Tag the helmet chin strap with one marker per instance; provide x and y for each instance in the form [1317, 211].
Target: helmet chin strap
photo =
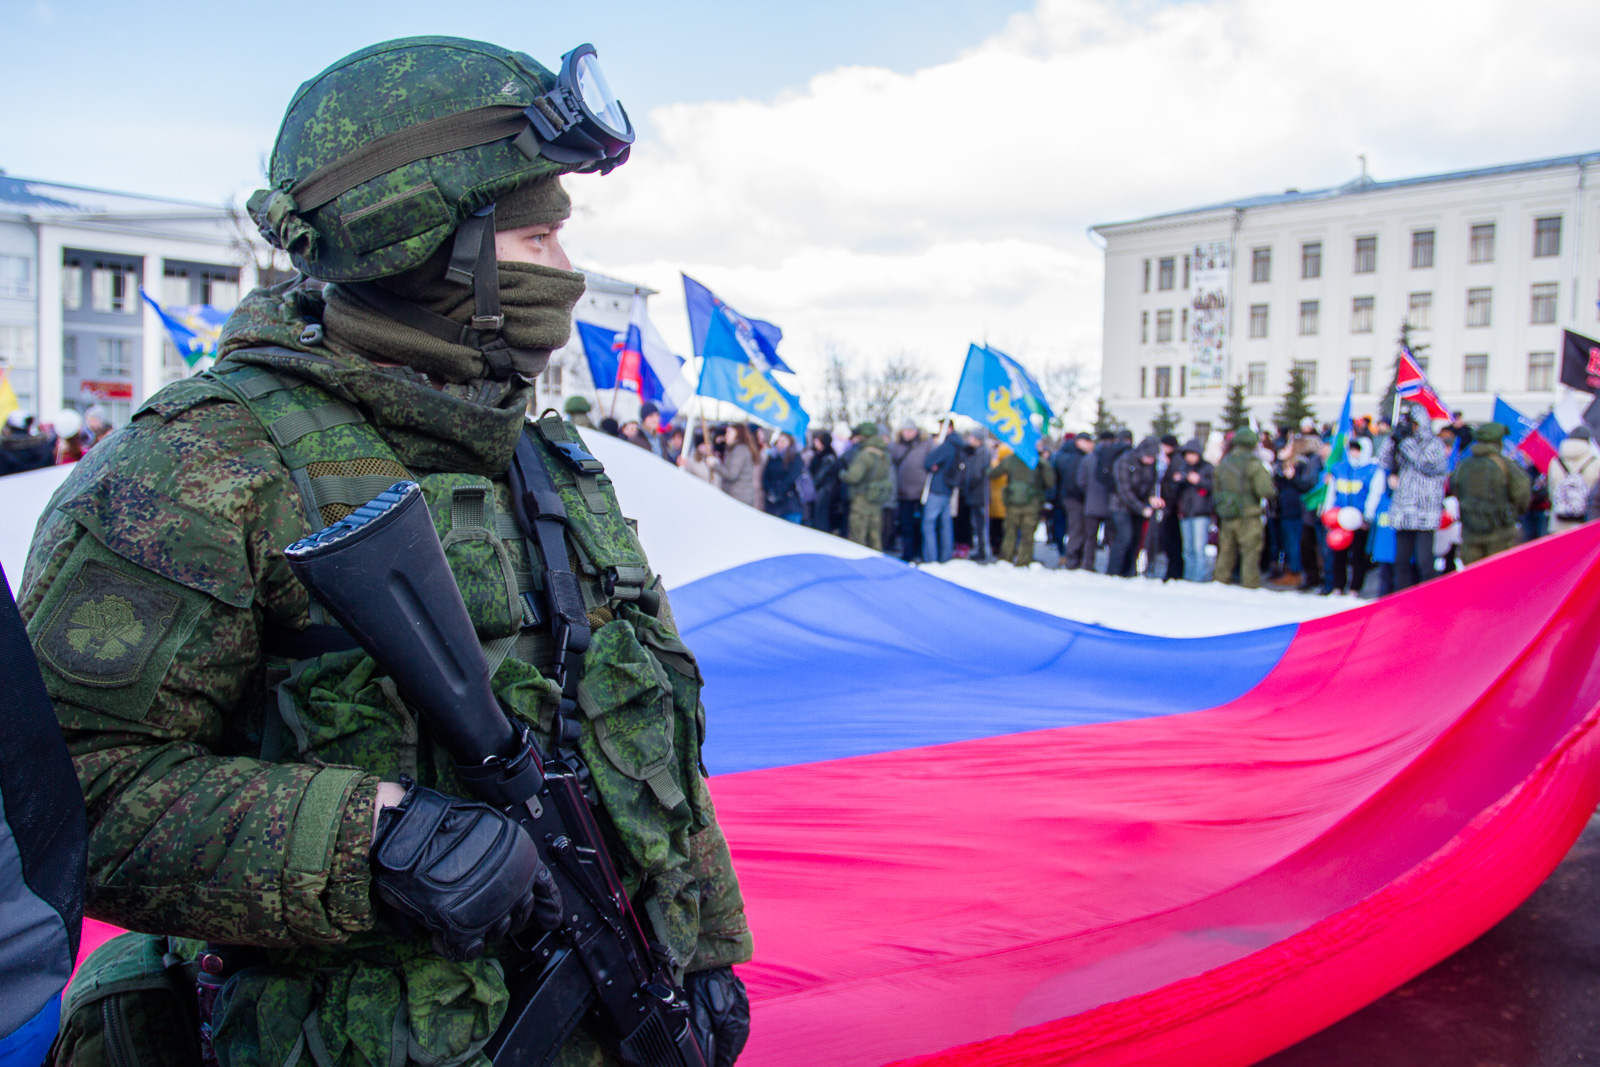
[472, 263]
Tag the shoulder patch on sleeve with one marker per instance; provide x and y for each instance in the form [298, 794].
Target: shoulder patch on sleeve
[106, 624]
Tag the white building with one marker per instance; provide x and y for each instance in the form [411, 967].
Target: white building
[1486, 265]
[74, 332]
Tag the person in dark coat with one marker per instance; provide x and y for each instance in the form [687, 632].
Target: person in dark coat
[1095, 482]
[1192, 503]
[779, 478]
[946, 467]
[824, 468]
[972, 517]
[23, 447]
[906, 452]
[1132, 501]
[1069, 523]
[1168, 534]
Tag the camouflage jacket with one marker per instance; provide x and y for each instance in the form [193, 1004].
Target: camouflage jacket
[154, 575]
[1025, 486]
[870, 474]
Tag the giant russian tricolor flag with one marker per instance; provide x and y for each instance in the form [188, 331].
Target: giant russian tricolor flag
[971, 833]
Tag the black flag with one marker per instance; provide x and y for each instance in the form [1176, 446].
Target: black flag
[1580, 362]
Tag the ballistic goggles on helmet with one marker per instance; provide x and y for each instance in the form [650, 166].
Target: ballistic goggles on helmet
[581, 120]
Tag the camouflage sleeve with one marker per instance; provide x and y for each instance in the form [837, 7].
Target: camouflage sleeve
[724, 934]
[1265, 488]
[1521, 488]
[147, 585]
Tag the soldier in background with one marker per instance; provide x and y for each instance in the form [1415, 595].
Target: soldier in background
[577, 410]
[1239, 484]
[1493, 493]
[870, 477]
[1027, 488]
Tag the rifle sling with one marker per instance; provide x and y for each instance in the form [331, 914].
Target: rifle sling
[543, 519]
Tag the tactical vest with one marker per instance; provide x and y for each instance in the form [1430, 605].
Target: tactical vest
[1232, 495]
[1483, 489]
[640, 739]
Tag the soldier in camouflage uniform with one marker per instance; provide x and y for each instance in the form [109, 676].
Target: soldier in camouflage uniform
[239, 760]
[577, 409]
[871, 478]
[1493, 493]
[1026, 490]
[1238, 485]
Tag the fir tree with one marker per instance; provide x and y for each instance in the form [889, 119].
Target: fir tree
[1235, 412]
[1166, 420]
[1104, 421]
[1294, 406]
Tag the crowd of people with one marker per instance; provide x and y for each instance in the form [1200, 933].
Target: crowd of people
[27, 444]
[1399, 504]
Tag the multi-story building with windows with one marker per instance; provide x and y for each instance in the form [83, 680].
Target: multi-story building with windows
[1487, 266]
[73, 328]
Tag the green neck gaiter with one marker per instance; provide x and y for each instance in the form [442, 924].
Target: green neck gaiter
[537, 302]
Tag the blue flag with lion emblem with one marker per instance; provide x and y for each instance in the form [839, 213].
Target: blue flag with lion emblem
[997, 391]
[737, 367]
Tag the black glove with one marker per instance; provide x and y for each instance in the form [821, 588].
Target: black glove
[461, 870]
[719, 1011]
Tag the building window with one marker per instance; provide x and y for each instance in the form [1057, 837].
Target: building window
[1257, 383]
[1186, 271]
[1163, 327]
[220, 289]
[1547, 236]
[1361, 315]
[1480, 307]
[1422, 362]
[1143, 373]
[1541, 372]
[1475, 374]
[1308, 373]
[1481, 247]
[1261, 264]
[1258, 320]
[16, 276]
[1147, 275]
[114, 287]
[174, 287]
[1361, 376]
[1419, 312]
[1366, 255]
[1421, 249]
[1202, 431]
[1166, 272]
[1163, 381]
[1544, 302]
[69, 356]
[116, 357]
[1309, 310]
[1183, 328]
[1183, 381]
[1144, 327]
[1311, 259]
[71, 285]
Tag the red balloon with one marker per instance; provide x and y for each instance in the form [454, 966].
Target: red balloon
[1330, 518]
[1339, 539]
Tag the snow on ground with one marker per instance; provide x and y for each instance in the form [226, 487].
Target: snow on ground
[1140, 605]
[691, 530]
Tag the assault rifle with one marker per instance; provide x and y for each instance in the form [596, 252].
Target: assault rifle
[382, 574]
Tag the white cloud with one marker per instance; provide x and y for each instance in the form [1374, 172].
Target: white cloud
[921, 211]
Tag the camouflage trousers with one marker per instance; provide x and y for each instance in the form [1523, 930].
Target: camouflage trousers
[1239, 543]
[866, 524]
[1481, 546]
[1016, 539]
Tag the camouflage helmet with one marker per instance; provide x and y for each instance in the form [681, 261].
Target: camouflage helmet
[388, 152]
[576, 405]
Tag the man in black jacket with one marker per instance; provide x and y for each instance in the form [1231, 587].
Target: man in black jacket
[1067, 528]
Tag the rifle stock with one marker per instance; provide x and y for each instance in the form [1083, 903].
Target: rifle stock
[382, 574]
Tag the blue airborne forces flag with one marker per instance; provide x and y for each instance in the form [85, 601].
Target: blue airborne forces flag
[735, 366]
[195, 330]
[998, 392]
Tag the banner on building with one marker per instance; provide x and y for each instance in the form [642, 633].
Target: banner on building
[1208, 336]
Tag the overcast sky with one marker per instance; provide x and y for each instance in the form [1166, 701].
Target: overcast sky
[885, 176]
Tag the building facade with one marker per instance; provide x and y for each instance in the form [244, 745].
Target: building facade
[74, 331]
[1486, 266]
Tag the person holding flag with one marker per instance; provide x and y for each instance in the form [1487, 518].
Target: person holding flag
[1415, 464]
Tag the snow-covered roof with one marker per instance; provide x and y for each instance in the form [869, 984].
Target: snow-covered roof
[36, 199]
[1359, 186]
